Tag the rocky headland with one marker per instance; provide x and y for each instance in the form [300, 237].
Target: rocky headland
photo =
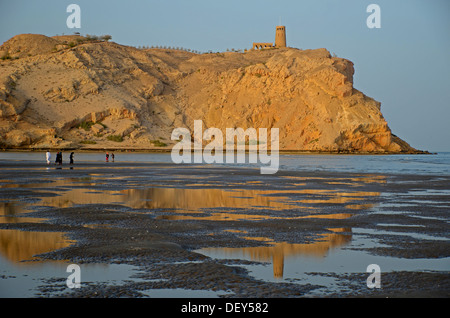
[71, 92]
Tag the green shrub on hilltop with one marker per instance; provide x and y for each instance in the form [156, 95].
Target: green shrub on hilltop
[106, 37]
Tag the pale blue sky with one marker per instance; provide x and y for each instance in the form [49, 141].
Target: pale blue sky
[404, 64]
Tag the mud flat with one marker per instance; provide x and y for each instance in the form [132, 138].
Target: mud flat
[207, 231]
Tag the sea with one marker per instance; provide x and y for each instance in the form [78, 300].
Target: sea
[422, 164]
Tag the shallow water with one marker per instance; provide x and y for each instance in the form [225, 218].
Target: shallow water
[32, 279]
[301, 263]
[388, 164]
[190, 197]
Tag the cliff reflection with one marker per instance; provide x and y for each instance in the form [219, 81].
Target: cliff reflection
[292, 202]
[11, 212]
[277, 252]
[18, 245]
[221, 205]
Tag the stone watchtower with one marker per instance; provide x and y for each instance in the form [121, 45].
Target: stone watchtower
[280, 40]
[280, 36]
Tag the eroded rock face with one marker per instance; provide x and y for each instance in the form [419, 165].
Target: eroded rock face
[308, 95]
[17, 138]
[142, 95]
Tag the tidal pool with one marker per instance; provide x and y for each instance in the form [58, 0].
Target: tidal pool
[331, 206]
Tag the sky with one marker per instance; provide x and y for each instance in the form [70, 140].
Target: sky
[404, 64]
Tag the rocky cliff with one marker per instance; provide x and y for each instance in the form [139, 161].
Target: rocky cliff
[71, 92]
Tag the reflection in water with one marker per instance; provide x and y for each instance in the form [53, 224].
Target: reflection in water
[351, 181]
[193, 204]
[277, 252]
[19, 245]
[189, 204]
[196, 199]
[10, 212]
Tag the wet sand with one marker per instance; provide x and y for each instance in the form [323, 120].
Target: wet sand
[167, 218]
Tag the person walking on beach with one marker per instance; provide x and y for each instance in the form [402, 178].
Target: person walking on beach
[71, 158]
[60, 158]
[107, 157]
[57, 157]
[112, 157]
[48, 156]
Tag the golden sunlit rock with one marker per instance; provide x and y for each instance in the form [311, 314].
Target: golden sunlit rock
[58, 92]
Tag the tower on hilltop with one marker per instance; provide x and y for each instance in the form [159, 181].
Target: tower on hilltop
[280, 40]
[280, 36]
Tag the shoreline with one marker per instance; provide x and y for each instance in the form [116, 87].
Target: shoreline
[161, 150]
[297, 163]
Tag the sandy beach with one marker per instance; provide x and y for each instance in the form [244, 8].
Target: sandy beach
[208, 231]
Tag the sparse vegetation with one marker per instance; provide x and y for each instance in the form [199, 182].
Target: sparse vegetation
[106, 37]
[6, 57]
[90, 37]
[93, 38]
[86, 125]
[158, 143]
[81, 40]
[165, 47]
[116, 138]
[88, 142]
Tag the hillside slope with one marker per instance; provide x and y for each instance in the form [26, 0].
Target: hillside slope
[66, 92]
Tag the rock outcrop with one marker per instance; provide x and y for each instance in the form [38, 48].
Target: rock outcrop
[59, 92]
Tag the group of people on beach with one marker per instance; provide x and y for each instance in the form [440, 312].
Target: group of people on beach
[59, 158]
[112, 156]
